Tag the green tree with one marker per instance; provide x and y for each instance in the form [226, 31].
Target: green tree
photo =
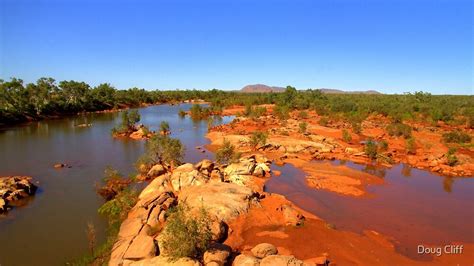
[163, 150]
[226, 153]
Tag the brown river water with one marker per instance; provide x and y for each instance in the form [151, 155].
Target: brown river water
[413, 206]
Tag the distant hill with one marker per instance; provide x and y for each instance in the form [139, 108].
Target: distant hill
[266, 88]
[335, 91]
[261, 88]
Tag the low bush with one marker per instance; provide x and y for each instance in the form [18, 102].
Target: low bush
[303, 115]
[451, 158]
[323, 121]
[187, 235]
[383, 145]
[346, 136]
[258, 138]
[411, 145]
[399, 129]
[356, 127]
[370, 149]
[456, 137]
[227, 154]
[303, 126]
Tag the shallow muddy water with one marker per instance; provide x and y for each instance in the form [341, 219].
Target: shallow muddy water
[50, 229]
[413, 206]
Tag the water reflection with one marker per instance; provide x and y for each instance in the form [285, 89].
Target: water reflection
[411, 210]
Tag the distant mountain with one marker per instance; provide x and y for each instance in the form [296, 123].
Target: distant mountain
[261, 88]
[335, 91]
[265, 88]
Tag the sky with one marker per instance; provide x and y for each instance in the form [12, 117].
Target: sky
[393, 46]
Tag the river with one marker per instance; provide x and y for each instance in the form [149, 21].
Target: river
[51, 228]
[412, 206]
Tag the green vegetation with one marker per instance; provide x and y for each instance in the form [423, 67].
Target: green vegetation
[303, 126]
[346, 136]
[411, 145]
[181, 113]
[323, 121]
[254, 111]
[383, 145]
[456, 137]
[227, 154]
[451, 158]
[163, 150]
[303, 115]
[128, 122]
[185, 234]
[258, 138]
[22, 102]
[164, 127]
[370, 149]
[399, 129]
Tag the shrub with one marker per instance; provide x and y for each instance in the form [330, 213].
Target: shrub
[303, 126]
[371, 149]
[186, 235]
[162, 149]
[451, 158]
[456, 137]
[258, 138]
[164, 127]
[181, 113]
[356, 127]
[303, 115]
[383, 145]
[399, 129]
[411, 145]
[128, 121]
[282, 112]
[254, 112]
[346, 136]
[227, 154]
[117, 209]
[324, 121]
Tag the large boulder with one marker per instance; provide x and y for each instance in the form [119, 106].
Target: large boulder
[13, 188]
[156, 170]
[244, 167]
[276, 260]
[217, 255]
[222, 200]
[142, 247]
[156, 187]
[186, 175]
[165, 261]
[264, 249]
[246, 260]
[291, 215]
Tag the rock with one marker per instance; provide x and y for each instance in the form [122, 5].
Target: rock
[3, 205]
[205, 165]
[59, 165]
[216, 176]
[222, 200]
[219, 230]
[246, 260]
[130, 228]
[13, 188]
[165, 261]
[240, 180]
[217, 255]
[241, 168]
[261, 169]
[351, 150]
[264, 249]
[156, 187]
[319, 261]
[156, 170]
[275, 260]
[292, 216]
[186, 175]
[142, 247]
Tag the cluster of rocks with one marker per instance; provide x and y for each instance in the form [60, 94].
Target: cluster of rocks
[14, 189]
[266, 254]
[141, 132]
[220, 188]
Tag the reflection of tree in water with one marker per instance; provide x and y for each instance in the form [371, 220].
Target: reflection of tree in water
[342, 162]
[406, 170]
[374, 170]
[448, 184]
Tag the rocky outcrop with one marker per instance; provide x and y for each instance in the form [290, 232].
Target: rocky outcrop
[13, 189]
[266, 254]
[204, 184]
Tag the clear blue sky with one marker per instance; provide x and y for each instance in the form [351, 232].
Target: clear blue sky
[390, 46]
